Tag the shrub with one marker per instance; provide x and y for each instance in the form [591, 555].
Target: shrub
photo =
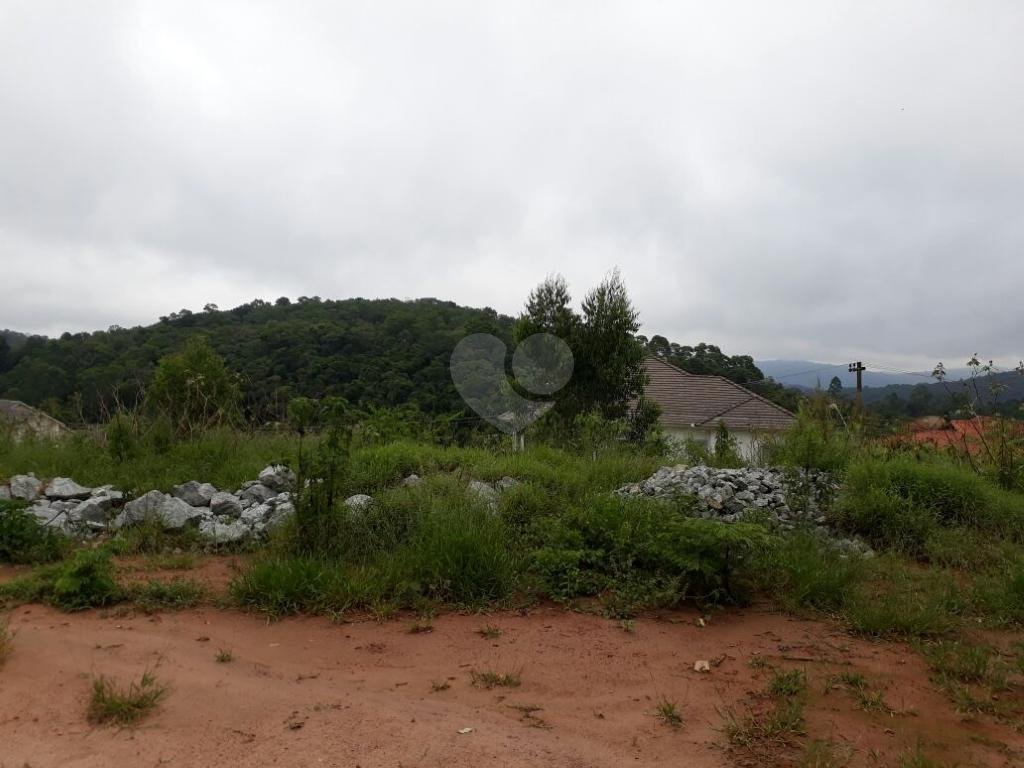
[999, 596]
[818, 440]
[899, 503]
[641, 554]
[24, 539]
[85, 581]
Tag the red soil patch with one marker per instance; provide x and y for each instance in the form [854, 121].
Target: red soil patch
[306, 692]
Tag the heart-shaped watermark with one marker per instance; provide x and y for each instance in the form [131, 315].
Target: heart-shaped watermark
[542, 364]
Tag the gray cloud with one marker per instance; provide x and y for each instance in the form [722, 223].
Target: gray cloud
[831, 181]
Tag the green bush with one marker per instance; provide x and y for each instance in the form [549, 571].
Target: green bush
[86, 580]
[24, 539]
[638, 553]
[899, 503]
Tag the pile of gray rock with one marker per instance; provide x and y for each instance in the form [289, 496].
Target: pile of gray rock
[785, 499]
[220, 516]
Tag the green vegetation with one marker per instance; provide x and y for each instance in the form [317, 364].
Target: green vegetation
[224, 656]
[24, 539]
[155, 595]
[110, 704]
[668, 713]
[6, 639]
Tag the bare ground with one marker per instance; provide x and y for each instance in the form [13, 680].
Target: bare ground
[309, 692]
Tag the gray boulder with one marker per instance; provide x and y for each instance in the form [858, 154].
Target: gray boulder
[412, 481]
[256, 514]
[224, 533]
[258, 493]
[483, 491]
[5, 491]
[277, 477]
[107, 492]
[280, 514]
[25, 487]
[194, 493]
[176, 513]
[135, 511]
[95, 510]
[224, 503]
[359, 502]
[66, 488]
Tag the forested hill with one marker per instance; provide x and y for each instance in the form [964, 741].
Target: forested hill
[372, 352]
[381, 352]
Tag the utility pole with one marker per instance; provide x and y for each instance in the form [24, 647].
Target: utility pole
[859, 369]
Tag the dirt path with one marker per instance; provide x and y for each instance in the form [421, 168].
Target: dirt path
[306, 692]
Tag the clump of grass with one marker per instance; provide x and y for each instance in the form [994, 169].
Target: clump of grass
[439, 685]
[489, 632]
[958, 661]
[422, 627]
[758, 662]
[916, 758]
[783, 721]
[110, 704]
[628, 626]
[803, 572]
[156, 595]
[668, 713]
[490, 679]
[224, 656]
[6, 639]
[790, 682]
[822, 754]
[858, 686]
[182, 561]
[903, 601]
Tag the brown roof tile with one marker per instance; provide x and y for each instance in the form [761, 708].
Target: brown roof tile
[687, 399]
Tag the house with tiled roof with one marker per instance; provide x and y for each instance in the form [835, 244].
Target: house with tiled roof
[692, 407]
[20, 420]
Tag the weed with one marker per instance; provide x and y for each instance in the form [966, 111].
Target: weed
[24, 539]
[421, 628]
[758, 662]
[792, 682]
[439, 685]
[183, 561]
[110, 704]
[822, 754]
[489, 679]
[224, 656]
[668, 713]
[529, 715]
[156, 595]
[628, 626]
[6, 639]
[490, 632]
[916, 758]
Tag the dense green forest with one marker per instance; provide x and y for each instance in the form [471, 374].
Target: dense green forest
[382, 352]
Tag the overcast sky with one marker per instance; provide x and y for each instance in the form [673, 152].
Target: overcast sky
[831, 181]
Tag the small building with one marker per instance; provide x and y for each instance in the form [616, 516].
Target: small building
[692, 406]
[24, 420]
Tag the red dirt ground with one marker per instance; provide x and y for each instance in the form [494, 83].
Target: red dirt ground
[308, 692]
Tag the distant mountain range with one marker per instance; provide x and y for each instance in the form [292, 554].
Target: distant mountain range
[808, 374]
